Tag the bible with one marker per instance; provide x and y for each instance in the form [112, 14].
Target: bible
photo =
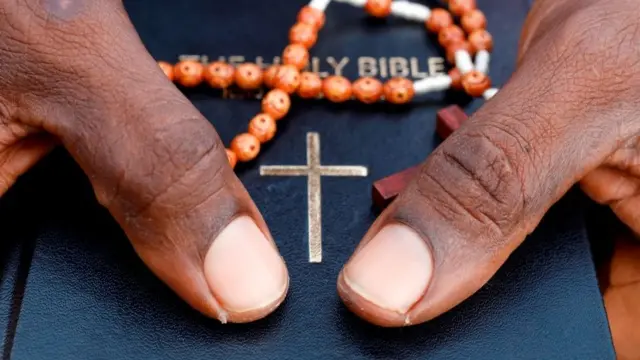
[73, 288]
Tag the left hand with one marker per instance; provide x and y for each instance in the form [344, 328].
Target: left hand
[75, 73]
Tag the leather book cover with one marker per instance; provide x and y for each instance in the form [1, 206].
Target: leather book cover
[73, 288]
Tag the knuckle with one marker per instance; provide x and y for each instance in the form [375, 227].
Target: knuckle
[476, 176]
[186, 189]
[182, 167]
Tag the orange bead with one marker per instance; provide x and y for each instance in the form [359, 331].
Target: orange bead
[270, 75]
[439, 19]
[296, 55]
[276, 103]
[473, 20]
[188, 73]
[399, 91]
[248, 76]
[167, 69]
[481, 40]
[456, 79]
[449, 35]
[219, 75]
[232, 157]
[461, 7]
[368, 90]
[475, 83]
[337, 88]
[263, 127]
[453, 47]
[378, 8]
[245, 146]
[303, 34]
[310, 85]
[311, 16]
[287, 79]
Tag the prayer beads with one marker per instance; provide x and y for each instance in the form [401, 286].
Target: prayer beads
[460, 43]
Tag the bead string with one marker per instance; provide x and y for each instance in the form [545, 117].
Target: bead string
[289, 78]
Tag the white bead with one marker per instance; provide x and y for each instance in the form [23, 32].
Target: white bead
[431, 84]
[410, 11]
[356, 3]
[319, 4]
[489, 93]
[482, 61]
[464, 62]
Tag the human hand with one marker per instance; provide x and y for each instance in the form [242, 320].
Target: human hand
[567, 116]
[160, 169]
[619, 279]
[75, 72]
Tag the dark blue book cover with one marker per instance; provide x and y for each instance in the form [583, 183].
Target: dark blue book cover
[73, 288]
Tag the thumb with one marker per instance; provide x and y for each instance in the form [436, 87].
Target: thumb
[153, 160]
[479, 194]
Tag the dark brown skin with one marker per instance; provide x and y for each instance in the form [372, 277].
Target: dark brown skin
[150, 159]
[568, 116]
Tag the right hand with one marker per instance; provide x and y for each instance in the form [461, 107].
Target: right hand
[569, 115]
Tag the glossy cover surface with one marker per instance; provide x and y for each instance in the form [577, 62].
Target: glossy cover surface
[73, 288]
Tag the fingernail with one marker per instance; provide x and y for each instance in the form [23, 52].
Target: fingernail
[393, 270]
[244, 270]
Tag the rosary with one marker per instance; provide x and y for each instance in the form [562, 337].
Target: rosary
[460, 42]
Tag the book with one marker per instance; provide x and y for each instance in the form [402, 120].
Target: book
[73, 288]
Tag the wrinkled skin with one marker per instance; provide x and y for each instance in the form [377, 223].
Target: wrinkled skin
[76, 74]
[569, 115]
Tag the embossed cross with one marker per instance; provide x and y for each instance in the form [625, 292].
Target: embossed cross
[314, 171]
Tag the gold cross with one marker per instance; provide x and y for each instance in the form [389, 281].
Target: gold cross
[313, 171]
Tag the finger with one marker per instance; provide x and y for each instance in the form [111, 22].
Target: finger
[622, 280]
[160, 169]
[628, 212]
[20, 156]
[607, 185]
[483, 191]
[618, 189]
[623, 314]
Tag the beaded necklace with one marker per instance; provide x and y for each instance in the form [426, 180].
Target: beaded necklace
[460, 42]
